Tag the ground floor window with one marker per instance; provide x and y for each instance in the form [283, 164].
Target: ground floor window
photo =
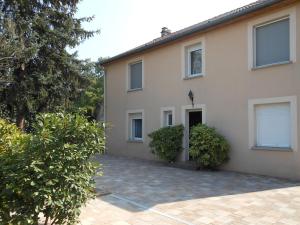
[135, 126]
[167, 116]
[273, 123]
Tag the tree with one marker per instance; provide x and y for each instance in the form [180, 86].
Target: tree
[45, 76]
[91, 99]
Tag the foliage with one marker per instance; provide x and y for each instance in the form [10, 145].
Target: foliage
[208, 148]
[43, 76]
[91, 99]
[13, 143]
[12, 139]
[52, 173]
[166, 142]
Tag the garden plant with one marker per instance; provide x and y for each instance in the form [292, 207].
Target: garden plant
[166, 142]
[48, 174]
[208, 148]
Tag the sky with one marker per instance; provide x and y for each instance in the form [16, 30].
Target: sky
[125, 24]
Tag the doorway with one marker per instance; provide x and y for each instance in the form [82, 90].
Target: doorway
[191, 115]
[195, 118]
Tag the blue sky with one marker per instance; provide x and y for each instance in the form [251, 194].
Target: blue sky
[125, 24]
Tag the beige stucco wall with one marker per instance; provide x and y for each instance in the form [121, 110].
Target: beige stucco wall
[225, 89]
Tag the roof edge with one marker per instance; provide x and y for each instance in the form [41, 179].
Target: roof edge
[200, 27]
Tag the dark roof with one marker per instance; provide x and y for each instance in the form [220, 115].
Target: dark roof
[202, 26]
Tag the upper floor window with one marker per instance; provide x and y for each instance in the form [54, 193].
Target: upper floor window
[272, 42]
[194, 62]
[135, 78]
[272, 39]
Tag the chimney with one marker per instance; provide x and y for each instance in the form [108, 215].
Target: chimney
[165, 31]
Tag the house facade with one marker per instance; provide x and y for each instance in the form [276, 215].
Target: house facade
[241, 70]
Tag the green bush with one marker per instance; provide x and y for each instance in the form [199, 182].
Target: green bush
[166, 142]
[13, 143]
[208, 148]
[11, 139]
[52, 174]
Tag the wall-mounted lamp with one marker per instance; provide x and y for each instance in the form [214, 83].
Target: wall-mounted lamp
[191, 96]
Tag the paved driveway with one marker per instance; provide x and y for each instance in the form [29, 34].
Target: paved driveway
[148, 193]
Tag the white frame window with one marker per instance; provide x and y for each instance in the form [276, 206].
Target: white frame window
[129, 65]
[131, 118]
[267, 20]
[165, 112]
[187, 49]
[169, 118]
[261, 26]
[190, 50]
[135, 135]
[255, 104]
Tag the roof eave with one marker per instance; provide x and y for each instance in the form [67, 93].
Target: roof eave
[209, 25]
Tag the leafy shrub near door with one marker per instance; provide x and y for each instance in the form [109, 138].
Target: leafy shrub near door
[166, 142]
[48, 172]
[208, 148]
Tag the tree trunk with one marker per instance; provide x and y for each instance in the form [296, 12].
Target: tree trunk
[20, 120]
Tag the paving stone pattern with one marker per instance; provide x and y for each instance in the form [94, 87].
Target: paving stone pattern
[150, 193]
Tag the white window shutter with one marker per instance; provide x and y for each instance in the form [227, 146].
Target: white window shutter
[273, 125]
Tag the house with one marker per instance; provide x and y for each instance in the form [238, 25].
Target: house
[243, 70]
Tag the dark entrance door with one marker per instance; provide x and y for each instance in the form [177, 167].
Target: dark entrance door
[195, 118]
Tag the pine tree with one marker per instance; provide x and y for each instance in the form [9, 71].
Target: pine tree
[43, 75]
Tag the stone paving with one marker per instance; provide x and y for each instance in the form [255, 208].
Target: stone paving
[150, 193]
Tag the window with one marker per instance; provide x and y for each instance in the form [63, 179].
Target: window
[168, 120]
[135, 75]
[273, 123]
[272, 39]
[135, 125]
[137, 129]
[272, 42]
[167, 116]
[194, 60]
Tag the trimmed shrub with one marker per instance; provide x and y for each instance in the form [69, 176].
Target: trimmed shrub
[208, 148]
[53, 174]
[166, 142]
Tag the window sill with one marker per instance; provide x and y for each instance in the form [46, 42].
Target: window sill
[135, 141]
[134, 90]
[189, 77]
[272, 65]
[279, 149]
